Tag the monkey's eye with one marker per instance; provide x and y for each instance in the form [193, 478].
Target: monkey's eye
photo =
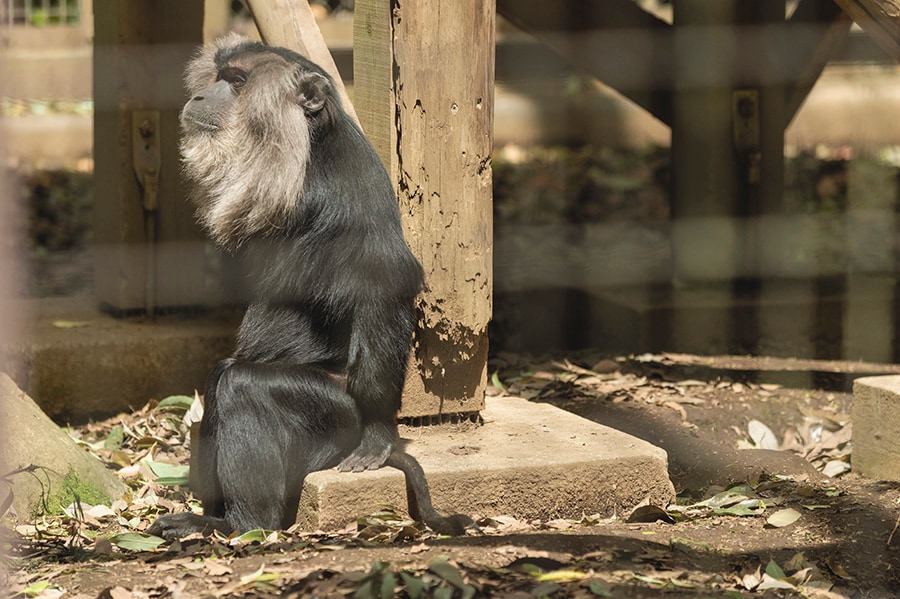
[234, 76]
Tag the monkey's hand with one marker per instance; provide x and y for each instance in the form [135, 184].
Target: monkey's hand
[373, 450]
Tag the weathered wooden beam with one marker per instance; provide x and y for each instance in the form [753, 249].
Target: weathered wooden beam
[424, 83]
[373, 79]
[616, 41]
[816, 29]
[144, 256]
[880, 19]
[727, 136]
[291, 24]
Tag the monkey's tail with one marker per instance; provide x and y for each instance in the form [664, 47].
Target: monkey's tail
[418, 497]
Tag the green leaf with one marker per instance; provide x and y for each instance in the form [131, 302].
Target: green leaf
[650, 580]
[170, 475]
[134, 541]
[562, 576]
[254, 536]
[166, 469]
[364, 591]
[774, 570]
[172, 481]
[35, 589]
[415, 587]
[451, 575]
[71, 324]
[180, 402]
[495, 381]
[443, 569]
[115, 438]
[388, 583]
[260, 577]
[545, 589]
[443, 593]
[598, 589]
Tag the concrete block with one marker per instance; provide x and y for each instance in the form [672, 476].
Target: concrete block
[528, 460]
[876, 427]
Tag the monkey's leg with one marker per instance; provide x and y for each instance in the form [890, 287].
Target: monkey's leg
[267, 426]
[204, 476]
[277, 423]
[418, 497]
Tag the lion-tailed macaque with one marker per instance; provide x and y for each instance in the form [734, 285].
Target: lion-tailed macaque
[283, 175]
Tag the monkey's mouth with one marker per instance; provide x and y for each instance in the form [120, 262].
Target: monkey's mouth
[198, 124]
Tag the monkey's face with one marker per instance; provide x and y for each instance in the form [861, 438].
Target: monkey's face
[209, 109]
[246, 134]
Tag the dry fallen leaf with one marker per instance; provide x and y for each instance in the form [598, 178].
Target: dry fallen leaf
[783, 518]
[761, 435]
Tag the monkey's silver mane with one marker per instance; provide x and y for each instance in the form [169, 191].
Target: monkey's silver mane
[248, 170]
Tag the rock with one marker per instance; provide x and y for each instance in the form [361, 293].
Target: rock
[58, 468]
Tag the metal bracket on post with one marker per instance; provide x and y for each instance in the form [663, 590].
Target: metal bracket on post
[145, 155]
[745, 123]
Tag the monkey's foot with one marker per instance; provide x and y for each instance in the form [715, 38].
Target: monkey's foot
[366, 457]
[456, 525]
[376, 445]
[360, 460]
[176, 526]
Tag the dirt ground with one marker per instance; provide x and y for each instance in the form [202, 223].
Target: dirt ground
[749, 521]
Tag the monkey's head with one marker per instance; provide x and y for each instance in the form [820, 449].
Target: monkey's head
[246, 134]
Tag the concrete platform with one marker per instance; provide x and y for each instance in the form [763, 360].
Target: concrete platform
[876, 427]
[79, 363]
[528, 460]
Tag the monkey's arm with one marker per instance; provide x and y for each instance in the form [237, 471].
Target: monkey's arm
[379, 346]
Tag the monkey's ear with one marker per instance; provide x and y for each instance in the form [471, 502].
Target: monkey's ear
[312, 90]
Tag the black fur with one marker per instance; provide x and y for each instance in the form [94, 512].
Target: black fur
[316, 378]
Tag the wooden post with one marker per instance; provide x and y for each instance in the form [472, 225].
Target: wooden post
[140, 49]
[216, 18]
[423, 81]
[706, 238]
[727, 135]
[761, 43]
[823, 26]
[880, 19]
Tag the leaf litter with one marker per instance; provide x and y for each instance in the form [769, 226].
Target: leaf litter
[734, 540]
